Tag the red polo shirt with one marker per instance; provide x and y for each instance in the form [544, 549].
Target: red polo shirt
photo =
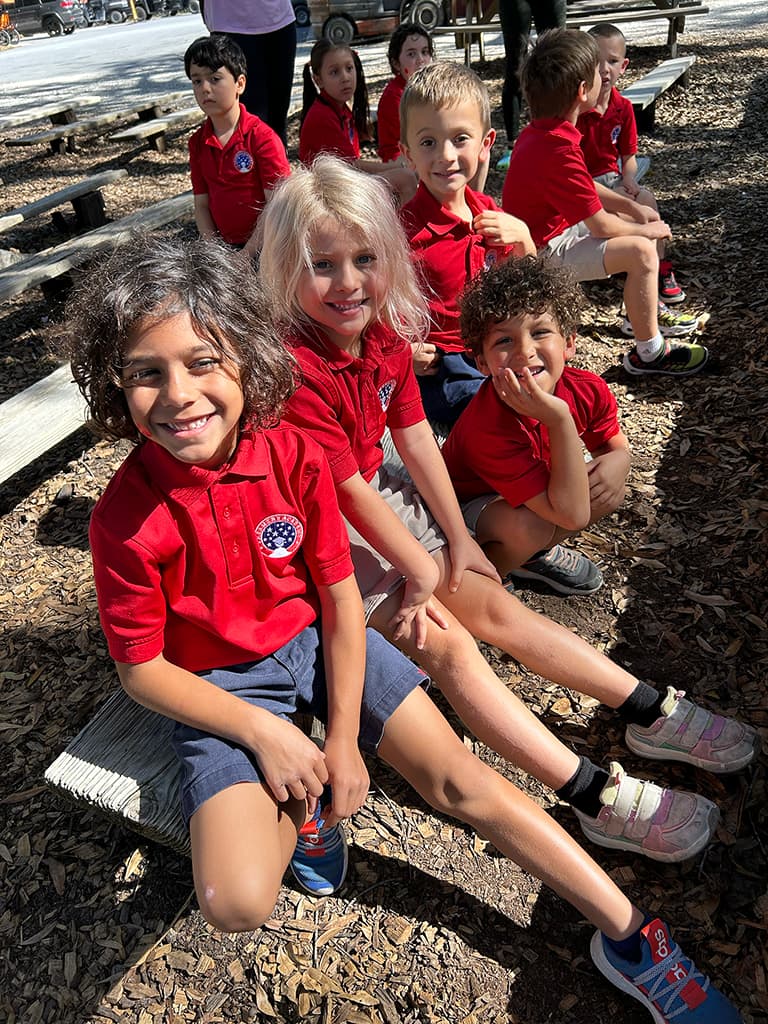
[329, 127]
[388, 119]
[606, 137]
[236, 177]
[345, 402]
[548, 184]
[216, 567]
[448, 252]
[492, 449]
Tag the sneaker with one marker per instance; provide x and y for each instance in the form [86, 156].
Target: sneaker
[679, 359]
[502, 164]
[667, 982]
[669, 290]
[563, 570]
[319, 862]
[671, 324]
[641, 817]
[686, 732]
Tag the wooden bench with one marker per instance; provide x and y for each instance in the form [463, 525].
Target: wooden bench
[646, 90]
[63, 138]
[85, 197]
[52, 263]
[154, 131]
[58, 113]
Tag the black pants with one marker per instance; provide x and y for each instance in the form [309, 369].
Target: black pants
[270, 59]
[516, 18]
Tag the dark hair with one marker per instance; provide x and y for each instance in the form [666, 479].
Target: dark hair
[215, 51]
[560, 61]
[516, 287]
[608, 31]
[149, 279]
[396, 41]
[360, 108]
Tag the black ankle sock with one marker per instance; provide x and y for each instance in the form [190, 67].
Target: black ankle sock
[583, 789]
[642, 706]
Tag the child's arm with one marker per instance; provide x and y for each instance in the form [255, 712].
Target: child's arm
[203, 219]
[251, 247]
[402, 179]
[607, 474]
[291, 763]
[499, 228]
[343, 631]
[629, 175]
[605, 224]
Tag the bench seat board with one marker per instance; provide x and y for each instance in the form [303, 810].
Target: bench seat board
[64, 195]
[38, 418]
[645, 90]
[56, 261]
[29, 116]
[158, 125]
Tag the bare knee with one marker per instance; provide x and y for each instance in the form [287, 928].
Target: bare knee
[238, 905]
[645, 256]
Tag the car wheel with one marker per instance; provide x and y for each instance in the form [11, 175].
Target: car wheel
[141, 13]
[115, 17]
[303, 17]
[53, 26]
[428, 14]
[5, 39]
[340, 30]
[69, 30]
[15, 37]
[194, 6]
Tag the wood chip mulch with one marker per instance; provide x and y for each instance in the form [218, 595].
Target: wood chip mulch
[433, 925]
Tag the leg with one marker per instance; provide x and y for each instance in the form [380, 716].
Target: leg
[237, 890]
[510, 536]
[280, 58]
[515, 17]
[637, 258]
[421, 746]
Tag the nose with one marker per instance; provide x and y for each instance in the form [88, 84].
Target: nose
[348, 277]
[447, 152]
[177, 388]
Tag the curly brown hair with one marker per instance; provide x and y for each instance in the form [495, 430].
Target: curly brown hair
[516, 287]
[149, 279]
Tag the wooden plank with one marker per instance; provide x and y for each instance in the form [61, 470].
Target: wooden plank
[64, 195]
[647, 89]
[159, 125]
[58, 260]
[37, 419]
[32, 114]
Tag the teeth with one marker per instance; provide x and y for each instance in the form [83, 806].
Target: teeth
[193, 425]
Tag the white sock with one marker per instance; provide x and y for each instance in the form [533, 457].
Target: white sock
[650, 350]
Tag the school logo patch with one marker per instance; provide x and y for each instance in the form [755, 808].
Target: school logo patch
[615, 134]
[385, 394]
[490, 258]
[243, 161]
[279, 536]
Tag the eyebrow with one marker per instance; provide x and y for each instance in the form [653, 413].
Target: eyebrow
[188, 353]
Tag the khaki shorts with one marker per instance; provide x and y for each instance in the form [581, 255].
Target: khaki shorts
[580, 252]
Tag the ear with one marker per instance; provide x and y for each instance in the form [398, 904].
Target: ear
[488, 140]
[570, 347]
[481, 364]
[583, 92]
[239, 85]
[624, 65]
[406, 151]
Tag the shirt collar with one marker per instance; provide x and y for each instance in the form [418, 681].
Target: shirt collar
[439, 220]
[210, 138]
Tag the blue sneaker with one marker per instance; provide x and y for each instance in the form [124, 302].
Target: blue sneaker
[319, 862]
[665, 980]
[502, 164]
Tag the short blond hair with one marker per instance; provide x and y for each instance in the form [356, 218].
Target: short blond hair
[445, 84]
[364, 206]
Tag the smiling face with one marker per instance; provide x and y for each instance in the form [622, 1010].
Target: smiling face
[415, 54]
[530, 340]
[216, 92]
[445, 146]
[337, 76]
[613, 59]
[182, 393]
[344, 286]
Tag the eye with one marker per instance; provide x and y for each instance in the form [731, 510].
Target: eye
[142, 375]
[426, 143]
[205, 364]
[320, 266]
[461, 139]
[365, 259]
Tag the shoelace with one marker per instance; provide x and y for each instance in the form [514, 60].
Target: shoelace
[318, 842]
[563, 558]
[655, 977]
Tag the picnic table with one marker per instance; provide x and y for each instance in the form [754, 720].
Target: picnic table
[61, 112]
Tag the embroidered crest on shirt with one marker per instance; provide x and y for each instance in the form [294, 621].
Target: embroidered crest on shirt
[279, 536]
[385, 394]
[615, 133]
[243, 161]
[490, 259]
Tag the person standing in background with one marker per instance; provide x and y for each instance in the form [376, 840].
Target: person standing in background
[265, 30]
[516, 18]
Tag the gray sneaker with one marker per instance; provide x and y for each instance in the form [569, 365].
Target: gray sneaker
[563, 570]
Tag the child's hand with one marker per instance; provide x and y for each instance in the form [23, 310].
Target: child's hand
[348, 777]
[655, 229]
[466, 554]
[645, 214]
[630, 186]
[426, 358]
[527, 397]
[607, 475]
[291, 763]
[417, 608]
[499, 228]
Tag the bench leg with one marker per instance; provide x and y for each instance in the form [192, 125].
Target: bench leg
[646, 119]
[158, 142]
[56, 290]
[89, 210]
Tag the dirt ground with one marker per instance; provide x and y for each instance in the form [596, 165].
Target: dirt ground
[433, 924]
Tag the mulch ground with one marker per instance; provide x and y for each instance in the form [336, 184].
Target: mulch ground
[433, 925]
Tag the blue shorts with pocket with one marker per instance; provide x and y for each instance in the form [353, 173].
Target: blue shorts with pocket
[290, 680]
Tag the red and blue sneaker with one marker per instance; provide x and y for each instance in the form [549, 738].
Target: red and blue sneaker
[664, 980]
[319, 862]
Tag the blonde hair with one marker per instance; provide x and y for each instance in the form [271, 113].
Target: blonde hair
[440, 85]
[363, 206]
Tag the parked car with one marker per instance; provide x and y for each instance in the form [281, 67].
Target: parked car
[56, 17]
[342, 20]
[113, 11]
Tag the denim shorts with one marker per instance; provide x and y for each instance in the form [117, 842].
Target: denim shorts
[290, 680]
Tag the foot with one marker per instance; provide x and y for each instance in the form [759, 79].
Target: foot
[502, 164]
[664, 980]
[319, 862]
[671, 324]
[669, 290]
[685, 732]
[641, 817]
[563, 570]
[679, 359]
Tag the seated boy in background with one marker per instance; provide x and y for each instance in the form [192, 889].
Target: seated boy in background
[609, 143]
[516, 455]
[235, 159]
[454, 232]
[549, 186]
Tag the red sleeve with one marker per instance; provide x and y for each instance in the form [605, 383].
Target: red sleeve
[388, 123]
[199, 184]
[270, 156]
